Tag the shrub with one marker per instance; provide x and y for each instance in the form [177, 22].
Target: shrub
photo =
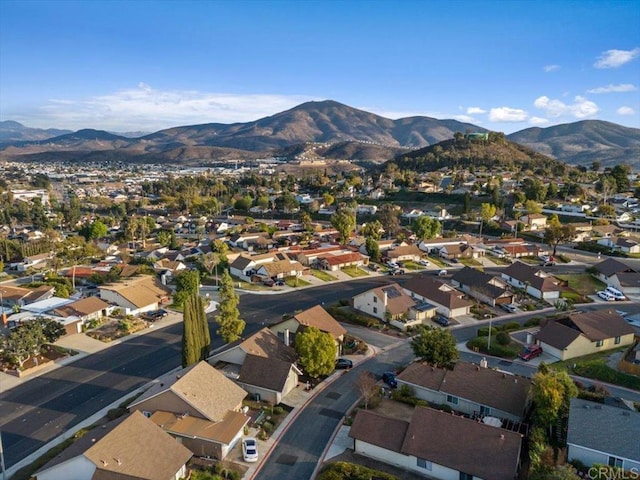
[483, 331]
[511, 326]
[344, 302]
[267, 427]
[116, 413]
[445, 408]
[278, 410]
[503, 338]
[533, 322]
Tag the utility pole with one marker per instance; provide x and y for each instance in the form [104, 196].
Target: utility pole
[4, 470]
[489, 338]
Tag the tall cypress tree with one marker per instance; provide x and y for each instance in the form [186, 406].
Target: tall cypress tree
[191, 350]
[205, 337]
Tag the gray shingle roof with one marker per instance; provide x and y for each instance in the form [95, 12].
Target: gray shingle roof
[604, 428]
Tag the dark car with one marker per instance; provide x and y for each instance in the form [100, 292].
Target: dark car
[342, 363]
[390, 379]
[155, 315]
[396, 271]
[280, 283]
[531, 351]
[441, 320]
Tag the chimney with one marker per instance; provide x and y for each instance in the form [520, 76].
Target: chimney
[287, 340]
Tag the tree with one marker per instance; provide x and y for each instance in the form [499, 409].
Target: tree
[606, 210]
[344, 221]
[435, 345]
[556, 233]
[23, 342]
[204, 337]
[426, 227]
[228, 317]
[532, 207]
[96, 229]
[191, 334]
[388, 216]
[51, 329]
[373, 249]
[487, 212]
[187, 283]
[368, 387]
[317, 351]
[552, 391]
[372, 230]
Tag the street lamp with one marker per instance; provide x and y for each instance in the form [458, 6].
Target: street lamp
[489, 338]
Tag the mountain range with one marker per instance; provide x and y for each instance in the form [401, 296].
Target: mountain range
[343, 132]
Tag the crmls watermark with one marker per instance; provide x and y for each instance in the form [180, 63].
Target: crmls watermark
[608, 473]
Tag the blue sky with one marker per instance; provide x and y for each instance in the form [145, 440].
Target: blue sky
[147, 65]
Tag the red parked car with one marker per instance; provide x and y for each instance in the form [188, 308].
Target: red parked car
[531, 351]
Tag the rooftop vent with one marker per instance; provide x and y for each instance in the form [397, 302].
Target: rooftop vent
[502, 436]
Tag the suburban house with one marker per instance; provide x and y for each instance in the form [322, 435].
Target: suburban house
[338, 261]
[470, 389]
[534, 281]
[447, 300]
[534, 221]
[461, 250]
[310, 256]
[391, 304]
[583, 333]
[36, 262]
[85, 309]
[199, 406]
[136, 295]
[316, 317]
[404, 253]
[129, 447]
[271, 371]
[604, 435]
[620, 244]
[262, 267]
[482, 286]
[167, 265]
[619, 275]
[248, 241]
[434, 245]
[271, 379]
[13, 295]
[439, 445]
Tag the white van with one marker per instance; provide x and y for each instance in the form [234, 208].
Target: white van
[615, 293]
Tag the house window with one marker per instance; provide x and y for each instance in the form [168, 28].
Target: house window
[599, 343]
[465, 476]
[422, 463]
[375, 299]
[452, 399]
[615, 462]
[375, 309]
[617, 340]
[485, 410]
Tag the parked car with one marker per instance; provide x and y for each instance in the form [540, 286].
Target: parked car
[529, 352]
[390, 379]
[280, 283]
[615, 293]
[343, 363]
[509, 307]
[442, 273]
[401, 264]
[424, 263]
[548, 264]
[441, 320]
[374, 267]
[455, 260]
[250, 449]
[396, 271]
[268, 282]
[155, 315]
[606, 296]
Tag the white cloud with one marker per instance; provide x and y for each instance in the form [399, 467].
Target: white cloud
[507, 114]
[625, 111]
[538, 121]
[145, 108]
[581, 108]
[475, 111]
[616, 58]
[551, 68]
[623, 87]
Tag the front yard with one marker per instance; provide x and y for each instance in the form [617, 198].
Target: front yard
[598, 367]
[583, 283]
[323, 275]
[355, 272]
[114, 329]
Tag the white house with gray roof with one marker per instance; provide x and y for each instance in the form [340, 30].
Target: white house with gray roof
[603, 434]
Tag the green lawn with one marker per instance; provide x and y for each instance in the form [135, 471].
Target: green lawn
[355, 272]
[479, 344]
[323, 275]
[296, 282]
[436, 261]
[470, 262]
[499, 260]
[595, 366]
[583, 283]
